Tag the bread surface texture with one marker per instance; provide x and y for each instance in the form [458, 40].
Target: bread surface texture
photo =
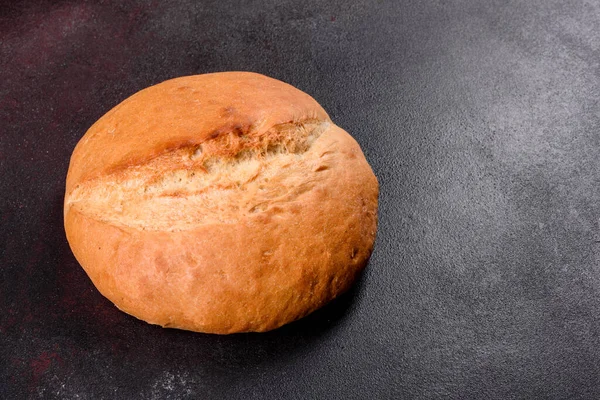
[220, 203]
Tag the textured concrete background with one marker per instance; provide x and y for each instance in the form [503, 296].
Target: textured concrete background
[482, 122]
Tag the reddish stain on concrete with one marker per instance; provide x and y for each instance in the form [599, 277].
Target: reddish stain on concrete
[42, 363]
[47, 33]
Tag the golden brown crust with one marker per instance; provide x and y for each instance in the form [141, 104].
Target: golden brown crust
[184, 112]
[250, 266]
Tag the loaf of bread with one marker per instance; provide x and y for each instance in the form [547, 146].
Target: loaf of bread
[221, 203]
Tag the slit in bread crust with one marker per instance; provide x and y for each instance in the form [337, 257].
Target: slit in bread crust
[227, 177]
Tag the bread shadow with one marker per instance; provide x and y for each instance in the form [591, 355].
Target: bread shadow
[243, 350]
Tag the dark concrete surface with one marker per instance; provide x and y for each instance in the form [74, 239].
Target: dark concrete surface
[482, 122]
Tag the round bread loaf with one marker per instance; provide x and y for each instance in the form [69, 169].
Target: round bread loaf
[221, 203]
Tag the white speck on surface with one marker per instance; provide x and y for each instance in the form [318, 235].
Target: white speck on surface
[172, 384]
